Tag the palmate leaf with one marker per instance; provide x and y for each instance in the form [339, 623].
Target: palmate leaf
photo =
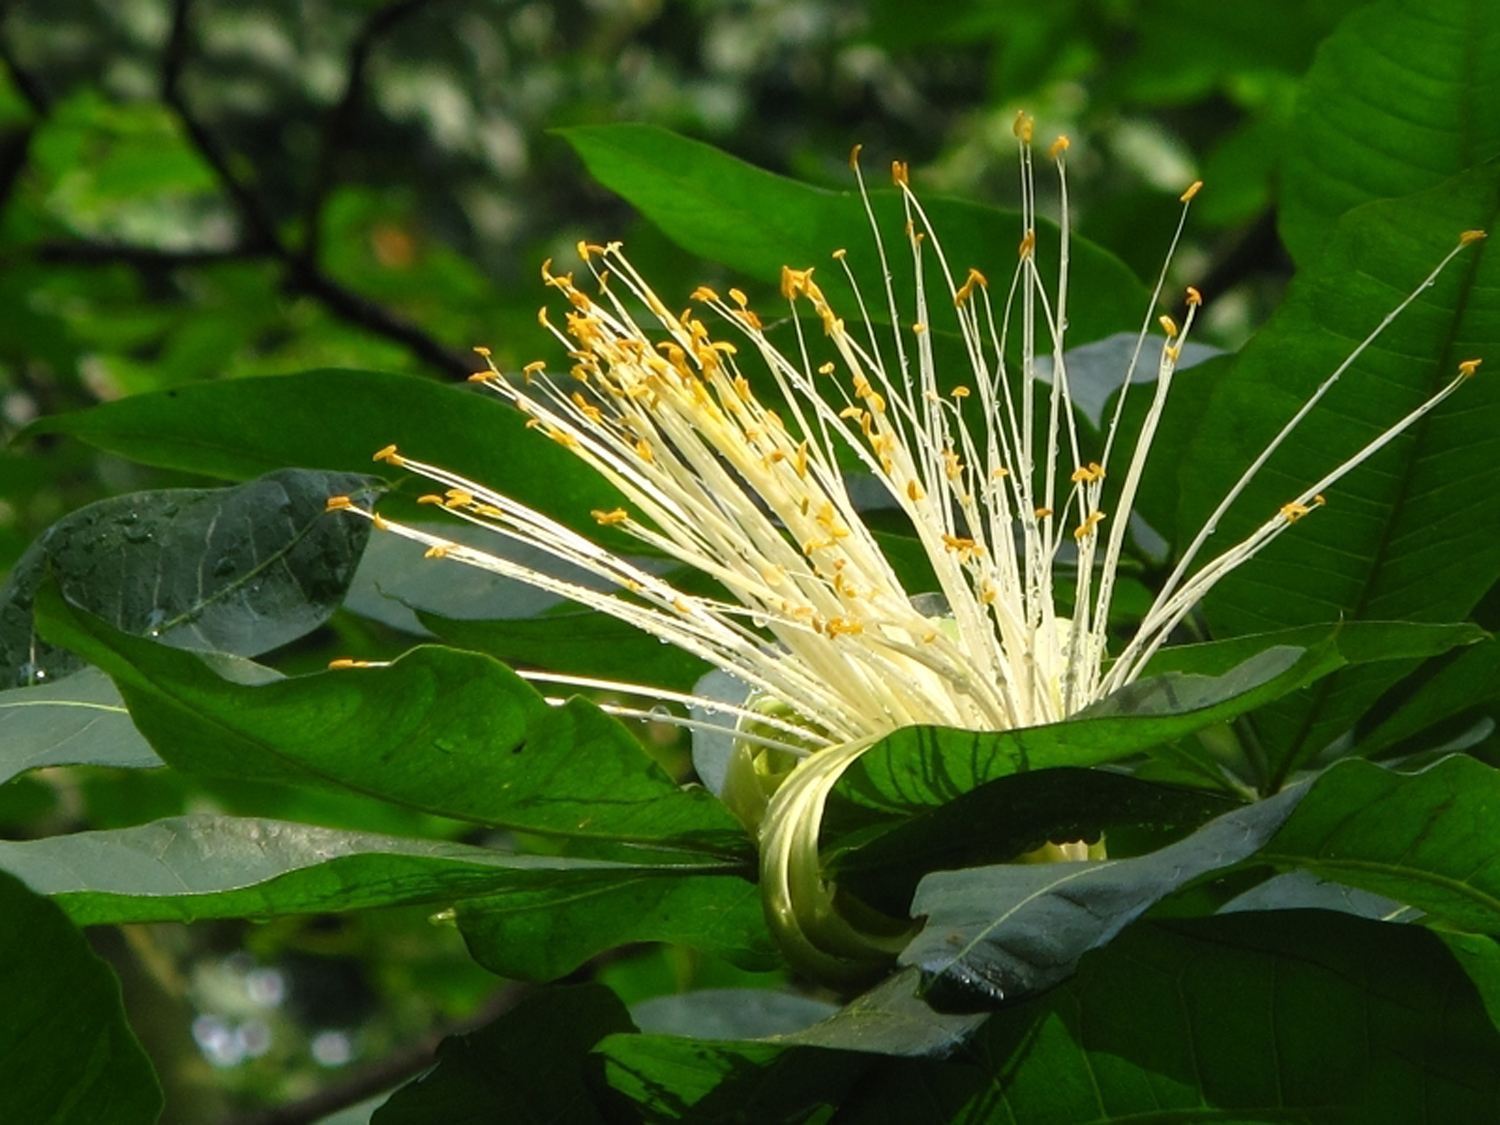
[1409, 536]
[80, 721]
[1269, 1017]
[239, 570]
[439, 730]
[66, 1054]
[1399, 98]
[755, 222]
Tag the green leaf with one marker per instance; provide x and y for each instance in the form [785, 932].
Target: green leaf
[335, 419]
[753, 221]
[1400, 97]
[1408, 536]
[1425, 839]
[1469, 681]
[192, 867]
[447, 732]
[923, 767]
[996, 935]
[80, 721]
[999, 821]
[1296, 1016]
[544, 935]
[240, 570]
[729, 1013]
[530, 1067]
[66, 1054]
[1356, 642]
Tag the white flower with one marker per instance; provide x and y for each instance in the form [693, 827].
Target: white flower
[672, 409]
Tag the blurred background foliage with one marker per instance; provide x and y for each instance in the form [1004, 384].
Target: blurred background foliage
[207, 189]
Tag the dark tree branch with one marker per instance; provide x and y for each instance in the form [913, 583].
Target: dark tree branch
[385, 1073]
[262, 238]
[340, 121]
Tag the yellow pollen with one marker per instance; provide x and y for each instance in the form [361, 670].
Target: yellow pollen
[482, 351]
[436, 552]
[458, 498]
[1028, 244]
[1173, 352]
[344, 662]
[738, 297]
[338, 504]
[959, 392]
[1194, 297]
[482, 376]
[914, 491]
[379, 521]
[1294, 511]
[1192, 189]
[1089, 473]
[900, 173]
[918, 328]
[1168, 325]
[840, 254]
[1088, 525]
[389, 456]
[1023, 127]
[1043, 513]
[430, 498]
[1468, 367]
[843, 627]
[1000, 472]
[1059, 146]
[1471, 236]
[609, 518]
[703, 293]
[643, 450]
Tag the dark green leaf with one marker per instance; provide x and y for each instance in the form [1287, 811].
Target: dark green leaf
[755, 222]
[1297, 1016]
[241, 570]
[544, 934]
[1409, 536]
[1469, 681]
[334, 419]
[729, 1013]
[79, 721]
[193, 867]
[1425, 839]
[1400, 97]
[448, 732]
[996, 935]
[923, 767]
[66, 1054]
[530, 1067]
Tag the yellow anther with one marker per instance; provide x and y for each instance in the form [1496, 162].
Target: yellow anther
[344, 662]
[534, 368]
[380, 522]
[1089, 473]
[918, 328]
[843, 627]
[437, 551]
[799, 462]
[432, 498]
[960, 392]
[458, 498]
[703, 293]
[826, 368]
[1168, 325]
[1042, 513]
[1023, 127]
[338, 504]
[482, 376]
[1294, 511]
[1173, 352]
[609, 518]
[914, 491]
[1088, 525]
[1468, 367]
[794, 283]
[1059, 146]
[1471, 236]
[1192, 189]
[854, 156]
[389, 456]
[1194, 297]
[738, 297]
[1028, 244]
[900, 173]
[482, 351]
[959, 544]
[1000, 473]
[840, 254]
[643, 450]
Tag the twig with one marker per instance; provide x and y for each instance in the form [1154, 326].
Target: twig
[338, 125]
[383, 1074]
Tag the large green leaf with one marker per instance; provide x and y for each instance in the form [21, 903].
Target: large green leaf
[1426, 839]
[66, 1054]
[1409, 536]
[923, 767]
[544, 935]
[1469, 681]
[755, 222]
[996, 935]
[1299, 1016]
[1400, 97]
[335, 419]
[530, 1067]
[240, 570]
[448, 732]
[78, 721]
[192, 867]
